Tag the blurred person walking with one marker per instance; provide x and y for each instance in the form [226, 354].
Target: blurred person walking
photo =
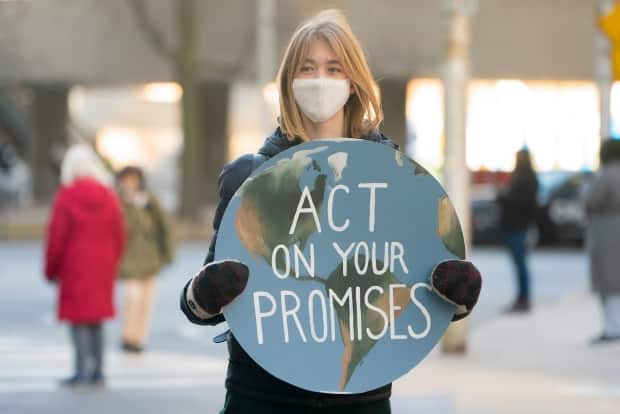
[85, 241]
[603, 238]
[149, 247]
[518, 203]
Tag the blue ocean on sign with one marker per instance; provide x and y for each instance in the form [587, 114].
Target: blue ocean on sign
[340, 237]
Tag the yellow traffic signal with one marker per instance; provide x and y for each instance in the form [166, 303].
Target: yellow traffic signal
[610, 26]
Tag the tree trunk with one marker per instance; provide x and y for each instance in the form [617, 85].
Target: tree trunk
[214, 141]
[205, 122]
[186, 75]
[50, 113]
[394, 102]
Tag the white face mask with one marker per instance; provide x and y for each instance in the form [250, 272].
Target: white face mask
[320, 98]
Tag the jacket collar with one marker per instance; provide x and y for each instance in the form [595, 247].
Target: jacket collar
[278, 142]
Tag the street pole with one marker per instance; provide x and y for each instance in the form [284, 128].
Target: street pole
[455, 173]
[602, 69]
[265, 56]
[186, 74]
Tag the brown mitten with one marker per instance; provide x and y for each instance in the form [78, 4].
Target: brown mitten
[218, 283]
[457, 282]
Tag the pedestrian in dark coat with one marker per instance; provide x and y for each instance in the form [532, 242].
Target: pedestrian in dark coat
[85, 241]
[603, 238]
[326, 91]
[518, 204]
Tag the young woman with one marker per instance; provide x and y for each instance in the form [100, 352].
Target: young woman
[149, 247]
[517, 213]
[326, 90]
[85, 241]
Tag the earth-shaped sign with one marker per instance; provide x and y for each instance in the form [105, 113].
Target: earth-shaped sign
[340, 237]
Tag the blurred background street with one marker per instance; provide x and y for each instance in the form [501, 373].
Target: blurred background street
[516, 363]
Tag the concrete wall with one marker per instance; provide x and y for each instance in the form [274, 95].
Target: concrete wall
[93, 41]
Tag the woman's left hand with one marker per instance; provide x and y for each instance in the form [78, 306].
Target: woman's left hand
[457, 282]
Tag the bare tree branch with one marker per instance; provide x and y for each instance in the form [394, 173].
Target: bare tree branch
[156, 40]
[150, 31]
[231, 69]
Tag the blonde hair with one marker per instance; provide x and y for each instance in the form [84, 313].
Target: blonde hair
[81, 161]
[362, 112]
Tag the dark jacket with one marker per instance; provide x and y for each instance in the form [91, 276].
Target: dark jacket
[245, 376]
[518, 203]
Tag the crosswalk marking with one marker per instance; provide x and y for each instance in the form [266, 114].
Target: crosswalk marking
[28, 367]
[590, 390]
[49, 385]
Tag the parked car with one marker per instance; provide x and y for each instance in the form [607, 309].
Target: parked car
[485, 214]
[560, 218]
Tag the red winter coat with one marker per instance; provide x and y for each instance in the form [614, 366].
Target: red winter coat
[85, 242]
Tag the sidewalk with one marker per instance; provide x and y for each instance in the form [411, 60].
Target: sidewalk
[30, 224]
[535, 363]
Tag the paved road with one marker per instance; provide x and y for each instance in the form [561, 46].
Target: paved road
[184, 370]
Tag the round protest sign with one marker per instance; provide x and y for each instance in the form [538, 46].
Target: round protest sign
[341, 237]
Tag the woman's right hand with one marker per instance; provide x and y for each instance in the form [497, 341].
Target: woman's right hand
[218, 283]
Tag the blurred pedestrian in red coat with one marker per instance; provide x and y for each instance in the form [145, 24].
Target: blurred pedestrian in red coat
[85, 242]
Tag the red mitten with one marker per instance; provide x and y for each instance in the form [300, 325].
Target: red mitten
[457, 282]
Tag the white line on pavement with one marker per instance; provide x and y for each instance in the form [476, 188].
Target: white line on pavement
[590, 390]
[25, 367]
[118, 384]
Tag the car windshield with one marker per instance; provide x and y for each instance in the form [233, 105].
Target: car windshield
[550, 181]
